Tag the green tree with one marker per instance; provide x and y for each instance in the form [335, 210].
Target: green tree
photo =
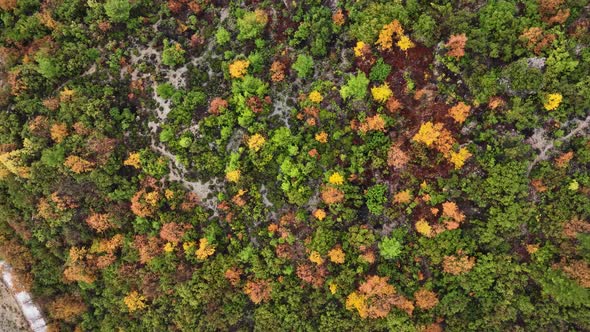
[117, 10]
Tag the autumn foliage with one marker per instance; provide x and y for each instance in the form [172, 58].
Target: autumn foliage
[258, 290]
[456, 45]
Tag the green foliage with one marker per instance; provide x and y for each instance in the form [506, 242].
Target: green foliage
[356, 87]
[249, 27]
[222, 36]
[376, 197]
[132, 161]
[379, 71]
[173, 54]
[390, 248]
[117, 10]
[304, 65]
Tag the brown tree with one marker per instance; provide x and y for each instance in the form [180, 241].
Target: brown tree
[99, 222]
[425, 299]
[258, 290]
[67, 307]
[456, 45]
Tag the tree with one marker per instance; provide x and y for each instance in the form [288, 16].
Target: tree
[386, 34]
[99, 222]
[238, 68]
[428, 133]
[173, 54]
[134, 301]
[425, 299]
[303, 65]
[356, 87]
[459, 112]
[79, 165]
[456, 45]
[258, 291]
[381, 93]
[117, 10]
[251, 24]
[457, 265]
[390, 248]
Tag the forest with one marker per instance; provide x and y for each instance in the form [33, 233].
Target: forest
[297, 165]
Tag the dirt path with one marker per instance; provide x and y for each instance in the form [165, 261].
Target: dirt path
[18, 312]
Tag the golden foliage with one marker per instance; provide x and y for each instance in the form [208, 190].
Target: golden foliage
[238, 68]
[403, 197]
[331, 195]
[425, 299]
[315, 97]
[381, 93]
[458, 265]
[205, 249]
[233, 176]
[333, 288]
[428, 133]
[133, 160]
[337, 255]
[59, 131]
[375, 298]
[316, 258]
[360, 48]
[423, 227]
[458, 158]
[255, 142]
[261, 16]
[385, 40]
[78, 165]
[456, 45]
[258, 291]
[322, 137]
[99, 222]
[404, 43]
[134, 301]
[336, 179]
[552, 101]
[66, 95]
[459, 112]
[67, 307]
[8, 5]
[319, 214]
